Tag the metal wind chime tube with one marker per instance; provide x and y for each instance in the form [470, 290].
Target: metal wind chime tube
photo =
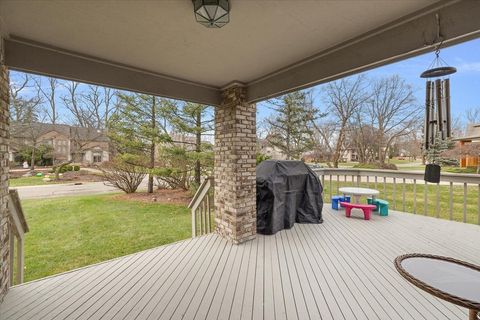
[437, 111]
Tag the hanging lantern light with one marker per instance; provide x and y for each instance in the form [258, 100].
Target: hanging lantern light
[212, 13]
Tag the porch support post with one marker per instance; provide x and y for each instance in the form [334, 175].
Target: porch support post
[5, 236]
[235, 164]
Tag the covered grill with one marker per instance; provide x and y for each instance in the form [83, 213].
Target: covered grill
[287, 192]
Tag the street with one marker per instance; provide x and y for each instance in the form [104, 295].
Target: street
[70, 189]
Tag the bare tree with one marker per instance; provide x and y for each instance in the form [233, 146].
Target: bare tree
[343, 99]
[24, 116]
[473, 115]
[110, 105]
[393, 112]
[50, 96]
[22, 107]
[72, 101]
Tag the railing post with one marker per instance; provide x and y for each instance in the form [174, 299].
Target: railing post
[451, 201]
[194, 223]
[12, 256]
[464, 202]
[20, 260]
[414, 196]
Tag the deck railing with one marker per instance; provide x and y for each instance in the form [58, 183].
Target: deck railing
[202, 209]
[18, 228]
[456, 197]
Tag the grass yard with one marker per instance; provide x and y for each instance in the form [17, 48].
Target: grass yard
[71, 232]
[30, 181]
[396, 203]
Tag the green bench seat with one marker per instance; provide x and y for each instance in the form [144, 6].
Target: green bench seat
[382, 206]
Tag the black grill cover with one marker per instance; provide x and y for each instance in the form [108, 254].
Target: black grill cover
[287, 192]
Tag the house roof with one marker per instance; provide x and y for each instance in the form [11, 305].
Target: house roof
[472, 133]
[271, 47]
[20, 130]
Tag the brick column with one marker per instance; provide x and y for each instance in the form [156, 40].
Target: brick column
[235, 164]
[4, 216]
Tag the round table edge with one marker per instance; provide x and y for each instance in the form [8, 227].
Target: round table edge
[432, 290]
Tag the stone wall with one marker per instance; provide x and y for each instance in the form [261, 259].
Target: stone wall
[235, 164]
[4, 216]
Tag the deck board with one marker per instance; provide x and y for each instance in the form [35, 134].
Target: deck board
[341, 269]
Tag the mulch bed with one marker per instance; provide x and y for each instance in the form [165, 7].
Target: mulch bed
[164, 196]
[81, 176]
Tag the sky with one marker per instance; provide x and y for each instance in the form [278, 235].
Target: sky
[464, 85]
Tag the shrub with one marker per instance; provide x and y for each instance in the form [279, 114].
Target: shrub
[76, 168]
[261, 157]
[63, 168]
[123, 175]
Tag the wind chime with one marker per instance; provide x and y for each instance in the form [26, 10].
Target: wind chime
[437, 108]
[437, 102]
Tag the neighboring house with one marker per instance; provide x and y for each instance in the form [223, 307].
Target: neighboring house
[349, 155]
[472, 135]
[272, 152]
[82, 145]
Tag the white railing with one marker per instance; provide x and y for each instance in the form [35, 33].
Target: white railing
[18, 228]
[202, 209]
[456, 197]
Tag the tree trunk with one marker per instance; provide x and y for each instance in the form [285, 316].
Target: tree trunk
[152, 149]
[32, 162]
[198, 146]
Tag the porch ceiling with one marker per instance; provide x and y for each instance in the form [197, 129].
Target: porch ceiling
[264, 46]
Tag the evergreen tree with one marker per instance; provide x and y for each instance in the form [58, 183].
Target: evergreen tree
[137, 128]
[195, 120]
[290, 128]
[437, 152]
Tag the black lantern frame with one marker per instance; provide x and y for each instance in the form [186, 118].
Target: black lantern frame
[212, 13]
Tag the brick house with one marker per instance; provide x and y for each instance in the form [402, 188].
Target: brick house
[472, 135]
[81, 145]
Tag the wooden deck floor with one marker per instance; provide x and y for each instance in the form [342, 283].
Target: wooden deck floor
[341, 269]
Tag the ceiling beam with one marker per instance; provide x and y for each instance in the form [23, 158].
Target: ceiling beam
[409, 36]
[28, 56]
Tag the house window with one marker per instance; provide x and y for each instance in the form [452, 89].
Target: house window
[97, 158]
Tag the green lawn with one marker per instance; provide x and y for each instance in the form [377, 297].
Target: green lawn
[387, 193]
[30, 181]
[71, 232]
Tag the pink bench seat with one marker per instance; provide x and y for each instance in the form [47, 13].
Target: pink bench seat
[366, 208]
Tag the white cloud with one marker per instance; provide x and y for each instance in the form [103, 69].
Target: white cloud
[469, 67]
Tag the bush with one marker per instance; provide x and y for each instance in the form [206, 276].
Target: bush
[261, 157]
[76, 168]
[123, 175]
[376, 165]
[64, 168]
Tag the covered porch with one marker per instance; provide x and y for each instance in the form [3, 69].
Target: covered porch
[341, 269]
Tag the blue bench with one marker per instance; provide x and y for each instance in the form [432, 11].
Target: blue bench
[337, 199]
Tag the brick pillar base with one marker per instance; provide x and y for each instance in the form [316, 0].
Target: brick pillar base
[4, 216]
[235, 164]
